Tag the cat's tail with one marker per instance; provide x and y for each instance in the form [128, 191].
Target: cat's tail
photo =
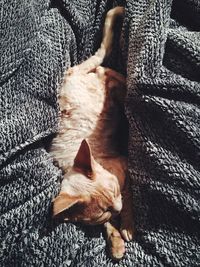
[106, 45]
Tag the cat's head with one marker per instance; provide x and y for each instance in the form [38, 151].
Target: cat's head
[89, 193]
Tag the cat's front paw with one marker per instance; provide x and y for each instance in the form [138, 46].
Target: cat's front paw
[127, 230]
[127, 233]
[116, 246]
[115, 242]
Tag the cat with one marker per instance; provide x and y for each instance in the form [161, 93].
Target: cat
[95, 188]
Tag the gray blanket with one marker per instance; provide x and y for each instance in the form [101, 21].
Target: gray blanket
[161, 56]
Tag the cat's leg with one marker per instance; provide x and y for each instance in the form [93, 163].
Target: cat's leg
[116, 83]
[100, 72]
[127, 219]
[114, 240]
[110, 75]
[115, 75]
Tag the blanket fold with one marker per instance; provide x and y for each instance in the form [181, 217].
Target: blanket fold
[160, 48]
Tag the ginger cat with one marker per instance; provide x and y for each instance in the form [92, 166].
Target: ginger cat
[95, 188]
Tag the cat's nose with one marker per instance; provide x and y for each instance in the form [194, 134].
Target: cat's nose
[114, 211]
[117, 204]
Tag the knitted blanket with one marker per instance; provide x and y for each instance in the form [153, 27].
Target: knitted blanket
[161, 55]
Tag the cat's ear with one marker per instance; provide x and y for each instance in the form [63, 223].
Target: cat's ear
[84, 160]
[63, 202]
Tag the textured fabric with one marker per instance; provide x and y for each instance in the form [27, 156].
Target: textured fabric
[161, 55]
